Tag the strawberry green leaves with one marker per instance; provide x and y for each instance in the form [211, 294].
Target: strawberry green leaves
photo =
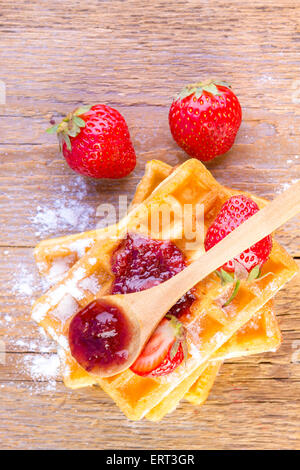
[223, 83]
[70, 126]
[52, 129]
[209, 86]
[234, 293]
[78, 121]
[82, 110]
[174, 349]
[226, 278]
[180, 335]
[254, 273]
[64, 138]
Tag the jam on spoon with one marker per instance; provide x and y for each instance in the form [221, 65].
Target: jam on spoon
[99, 337]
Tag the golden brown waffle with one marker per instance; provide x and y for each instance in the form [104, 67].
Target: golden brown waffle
[200, 389]
[261, 334]
[209, 326]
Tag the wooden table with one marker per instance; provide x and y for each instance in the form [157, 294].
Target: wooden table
[135, 55]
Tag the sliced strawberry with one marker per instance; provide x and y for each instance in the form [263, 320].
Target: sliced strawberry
[164, 351]
[248, 264]
[233, 213]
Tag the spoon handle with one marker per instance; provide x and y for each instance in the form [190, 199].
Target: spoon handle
[263, 223]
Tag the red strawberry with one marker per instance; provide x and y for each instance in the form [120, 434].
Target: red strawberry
[204, 119]
[234, 212]
[95, 142]
[164, 351]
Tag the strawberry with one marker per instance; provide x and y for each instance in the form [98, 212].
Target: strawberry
[234, 212]
[95, 142]
[164, 351]
[204, 119]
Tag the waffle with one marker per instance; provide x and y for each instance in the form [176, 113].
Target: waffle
[199, 391]
[261, 334]
[208, 326]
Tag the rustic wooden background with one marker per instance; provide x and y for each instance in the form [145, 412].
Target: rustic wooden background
[135, 55]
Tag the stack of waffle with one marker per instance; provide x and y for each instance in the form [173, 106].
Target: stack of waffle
[246, 326]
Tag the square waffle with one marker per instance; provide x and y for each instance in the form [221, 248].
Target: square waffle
[261, 334]
[55, 256]
[209, 326]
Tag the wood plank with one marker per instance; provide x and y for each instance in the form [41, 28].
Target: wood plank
[136, 56]
[154, 44]
[88, 420]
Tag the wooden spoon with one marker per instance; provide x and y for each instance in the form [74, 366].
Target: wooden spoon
[144, 310]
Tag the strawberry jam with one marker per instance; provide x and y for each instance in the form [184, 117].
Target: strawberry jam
[140, 263]
[99, 336]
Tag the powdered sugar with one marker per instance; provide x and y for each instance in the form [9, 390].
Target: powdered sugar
[43, 344]
[61, 265]
[65, 368]
[218, 339]
[58, 269]
[7, 318]
[30, 339]
[80, 246]
[252, 323]
[42, 368]
[91, 284]
[66, 308]
[265, 79]
[23, 282]
[26, 283]
[56, 294]
[63, 216]
[68, 210]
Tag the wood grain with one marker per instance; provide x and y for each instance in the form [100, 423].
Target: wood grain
[135, 55]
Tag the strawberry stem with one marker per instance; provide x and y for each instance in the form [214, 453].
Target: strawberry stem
[180, 335]
[70, 126]
[235, 291]
[225, 277]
